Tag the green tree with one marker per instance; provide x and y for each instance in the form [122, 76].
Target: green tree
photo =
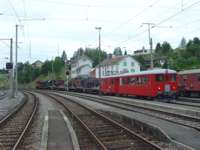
[46, 67]
[35, 73]
[125, 53]
[25, 75]
[64, 56]
[158, 48]
[183, 43]
[193, 47]
[94, 55]
[58, 64]
[166, 48]
[117, 51]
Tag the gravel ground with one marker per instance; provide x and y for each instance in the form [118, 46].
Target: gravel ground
[179, 133]
[7, 104]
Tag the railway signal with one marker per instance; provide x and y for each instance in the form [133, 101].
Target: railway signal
[67, 72]
[9, 65]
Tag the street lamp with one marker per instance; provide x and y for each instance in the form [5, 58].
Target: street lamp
[99, 30]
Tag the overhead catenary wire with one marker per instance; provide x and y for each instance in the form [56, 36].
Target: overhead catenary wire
[15, 12]
[162, 21]
[6, 44]
[177, 13]
[84, 5]
[136, 15]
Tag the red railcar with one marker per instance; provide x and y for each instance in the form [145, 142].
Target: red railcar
[151, 83]
[189, 82]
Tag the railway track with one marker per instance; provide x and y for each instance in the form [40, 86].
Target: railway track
[14, 126]
[190, 99]
[96, 131]
[3, 95]
[185, 120]
[192, 104]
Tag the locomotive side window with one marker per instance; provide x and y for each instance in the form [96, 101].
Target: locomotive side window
[122, 81]
[137, 80]
[112, 82]
[144, 80]
[185, 77]
[133, 80]
[198, 77]
[160, 77]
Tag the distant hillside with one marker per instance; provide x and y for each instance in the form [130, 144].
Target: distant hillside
[50, 76]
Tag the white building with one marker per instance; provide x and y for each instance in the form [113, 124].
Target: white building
[118, 65]
[37, 64]
[81, 66]
[141, 51]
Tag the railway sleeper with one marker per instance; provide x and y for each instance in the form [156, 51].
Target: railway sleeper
[112, 134]
[104, 131]
[125, 144]
[114, 137]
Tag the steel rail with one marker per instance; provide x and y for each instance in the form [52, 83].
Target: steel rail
[14, 111]
[80, 121]
[130, 132]
[124, 106]
[28, 124]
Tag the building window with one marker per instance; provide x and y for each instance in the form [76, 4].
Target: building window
[132, 64]
[132, 70]
[125, 63]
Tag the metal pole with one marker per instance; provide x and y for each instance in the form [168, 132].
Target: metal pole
[11, 71]
[16, 55]
[99, 29]
[150, 43]
[52, 69]
[99, 54]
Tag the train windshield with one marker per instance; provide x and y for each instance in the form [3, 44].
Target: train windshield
[172, 77]
[166, 77]
[160, 77]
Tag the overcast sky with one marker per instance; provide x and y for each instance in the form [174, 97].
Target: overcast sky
[51, 26]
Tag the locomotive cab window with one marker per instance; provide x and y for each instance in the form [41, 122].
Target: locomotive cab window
[160, 77]
[173, 77]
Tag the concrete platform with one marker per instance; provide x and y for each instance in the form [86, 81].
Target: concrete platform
[169, 107]
[7, 104]
[59, 136]
[181, 134]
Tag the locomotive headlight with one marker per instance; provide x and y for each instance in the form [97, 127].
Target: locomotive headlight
[159, 88]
